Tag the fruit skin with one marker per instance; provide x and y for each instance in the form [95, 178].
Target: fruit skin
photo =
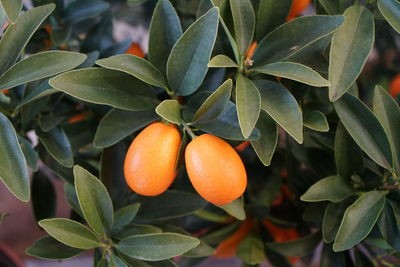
[251, 50]
[394, 87]
[151, 158]
[215, 169]
[135, 50]
[297, 7]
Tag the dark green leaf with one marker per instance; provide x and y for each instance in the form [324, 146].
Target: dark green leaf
[365, 129]
[94, 201]
[298, 248]
[389, 227]
[332, 188]
[70, 233]
[109, 87]
[17, 35]
[72, 198]
[222, 61]
[331, 7]
[125, 215]
[248, 103]
[350, 47]
[13, 166]
[280, 44]
[57, 144]
[390, 9]
[116, 261]
[170, 110]
[187, 63]
[30, 154]
[281, 105]
[39, 66]
[49, 248]
[235, 208]
[118, 124]
[329, 258]
[81, 10]
[136, 66]
[165, 30]
[332, 219]
[155, 247]
[136, 229]
[12, 9]
[251, 249]
[43, 197]
[315, 120]
[244, 23]
[359, 219]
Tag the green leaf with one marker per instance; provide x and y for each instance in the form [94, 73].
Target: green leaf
[222, 61]
[94, 201]
[136, 66]
[43, 197]
[30, 154]
[265, 146]
[390, 9]
[332, 188]
[235, 208]
[135, 229]
[329, 258]
[118, 124]
[72, 198]
[298, 248]
[280, 44]
[315, 120]
[389, 227]
[109, 87]
[165, 30]
[365, 129]
[332, 218]
[70, 233]
[49, 248]
[12, 9]
[281, 105]
[170, 110]
[125, 215]
[116, 261]
[387, 111]
[244, 23]
[271, 14]
[350, 48]
[17, 35]
[359, 219]
[348, 156]
[155, 247]
[331, 7]
[293, 71]
[248, 103]
[187, 63]
[251, 250]
[57, 144]
[44, 89]
[81, 10]
[13, 166]
[175, 204]
[215, 104]
[37, 67]
[2, 216]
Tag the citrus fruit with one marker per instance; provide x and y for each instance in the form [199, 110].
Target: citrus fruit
[297, 7]
[135, 50]
[394, 87]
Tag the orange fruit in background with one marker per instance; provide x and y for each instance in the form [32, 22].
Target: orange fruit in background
[297, 7]
[251, 50]
[79, 117]
[241, 147]
[5, 91]
[135, 50]
[394, 87]
[228, 247]
[215, 169]
[149, 166]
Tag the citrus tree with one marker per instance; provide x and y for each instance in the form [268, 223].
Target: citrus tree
[246, 130]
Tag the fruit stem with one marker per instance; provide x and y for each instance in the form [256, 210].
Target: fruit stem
[188, 130]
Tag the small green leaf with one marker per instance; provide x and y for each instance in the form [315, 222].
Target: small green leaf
[136, 66]
[281, 105]
[251, 250]
[359, 219]
[72, 198]
[17, 35]
[81, 10]
[389, 227]
[365, 129]
[215, 104]
[118, 124]
[12, 9]
[37, 67]
[222, 61]
[94, 200]
[165, 30]
[235, 208]
[51, 249]
[187, 63]
[109, 87]
[332, 188]
[350, 48]
[57, 144]
[390, 9]
[248, 103]
[332, 218]
[293, 71]
[116, 261]
[298, 248]
[155, 247]
[170, 110]
[387, 111]
[125, 215]
[30, 154]
[2, 216]
[315, 120]
[135, 229]
[70, 233]
[13, 166]
[244, 23]
[265, 146]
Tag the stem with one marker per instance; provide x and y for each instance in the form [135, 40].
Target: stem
[188, 130]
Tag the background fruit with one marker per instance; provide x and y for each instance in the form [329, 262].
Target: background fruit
[215, 169]
[297, 7]
[394, 87]
[150, 161]
[135, 50]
